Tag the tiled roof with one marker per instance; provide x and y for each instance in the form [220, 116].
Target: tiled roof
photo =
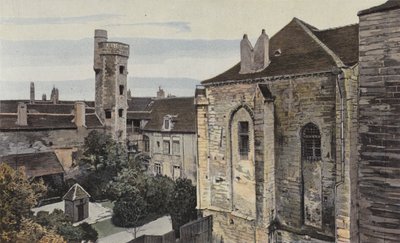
[389, 5]
[50, 108]
[138, 115]
[93, 121]
[38, 121]
[182, 110]
[36, 164]
[76, 192]
[10, 106]
[140, 103]
[343, 41]
[300, 53]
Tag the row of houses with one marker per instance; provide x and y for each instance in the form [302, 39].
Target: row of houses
[45, 136]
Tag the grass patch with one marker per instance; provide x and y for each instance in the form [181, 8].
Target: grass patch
[106, 228]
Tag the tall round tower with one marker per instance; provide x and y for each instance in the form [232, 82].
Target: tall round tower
[110, 66]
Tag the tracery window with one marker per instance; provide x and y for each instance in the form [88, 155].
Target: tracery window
[310, 143]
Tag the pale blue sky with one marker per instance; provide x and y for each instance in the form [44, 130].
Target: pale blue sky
[53, 40]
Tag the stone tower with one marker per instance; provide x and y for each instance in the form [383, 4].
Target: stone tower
[110, 66]
[379, 124]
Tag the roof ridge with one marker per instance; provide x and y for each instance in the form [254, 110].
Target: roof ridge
[332, 54]
[335, 28]
[305, 23]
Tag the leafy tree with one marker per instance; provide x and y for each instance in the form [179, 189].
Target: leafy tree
[101, 160]
[182, 204]
[34, 232]
[158, 192]
[58, 222]
[89, 233]
[17, 197]
[129, 212]
[100, 151]
[128, 183]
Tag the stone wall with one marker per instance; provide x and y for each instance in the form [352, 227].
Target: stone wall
[298, 101]
[379, 131]
[64, 142]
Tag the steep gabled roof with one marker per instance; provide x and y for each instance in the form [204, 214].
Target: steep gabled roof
[76, 192]
[182, 109]
[302, 52]
[343, 41]
[36, 164]
[389, 5]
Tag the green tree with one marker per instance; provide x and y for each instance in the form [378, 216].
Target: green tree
[102, 159]
[34, 232]
[17, 197]
[100, 151]
[182, 204]
[58, 222]
[158, 192]
[128, 183]
[129, 212]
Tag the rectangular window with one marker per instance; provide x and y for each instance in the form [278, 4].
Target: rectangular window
[157, 168]
[108, 114]
[121, 69]
[166, 147]
[166, 124]
[121, 89]
[176, 147]
[146, 143]
[176, 173]
[136, 125]
[243, 134]
[120, 112]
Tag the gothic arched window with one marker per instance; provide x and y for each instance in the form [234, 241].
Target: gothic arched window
[310, 143]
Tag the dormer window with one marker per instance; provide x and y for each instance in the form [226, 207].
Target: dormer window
[167, 123]
[277, 52]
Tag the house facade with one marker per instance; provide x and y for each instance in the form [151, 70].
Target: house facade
[164, 130]
[287, 138]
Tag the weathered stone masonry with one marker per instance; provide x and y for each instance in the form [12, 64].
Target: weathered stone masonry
[379, 165]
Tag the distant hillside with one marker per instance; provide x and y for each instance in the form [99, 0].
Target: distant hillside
[84, 89]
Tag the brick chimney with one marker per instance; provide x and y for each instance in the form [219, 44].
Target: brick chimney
[80, 114]
[246, 56]
[22, 115]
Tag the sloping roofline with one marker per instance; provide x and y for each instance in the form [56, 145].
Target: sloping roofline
[389, 5]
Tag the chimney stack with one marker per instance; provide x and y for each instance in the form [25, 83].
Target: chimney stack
[80, 114]
[44, 97]
[254, 59]
[32, 92]
[246, 56]
[261, 52]
[22, 115]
